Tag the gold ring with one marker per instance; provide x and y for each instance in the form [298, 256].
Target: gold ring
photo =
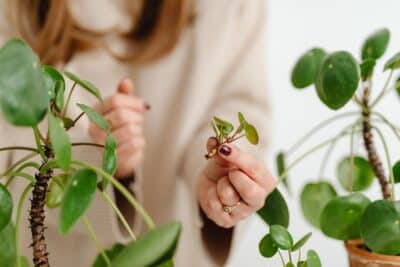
[229, 209]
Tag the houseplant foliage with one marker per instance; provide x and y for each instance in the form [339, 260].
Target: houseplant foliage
[29, 94]
[338, 79]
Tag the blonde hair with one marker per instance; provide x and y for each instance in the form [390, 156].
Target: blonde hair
[51, 30]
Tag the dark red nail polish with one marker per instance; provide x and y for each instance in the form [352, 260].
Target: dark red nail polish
[147, 106]
[225, 150]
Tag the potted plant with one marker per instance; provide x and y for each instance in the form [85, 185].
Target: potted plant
[30, 93]
[370, 229]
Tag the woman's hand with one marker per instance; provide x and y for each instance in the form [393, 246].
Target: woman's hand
[125, 114]
[233, 185]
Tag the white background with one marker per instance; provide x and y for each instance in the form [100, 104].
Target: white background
[295, 26]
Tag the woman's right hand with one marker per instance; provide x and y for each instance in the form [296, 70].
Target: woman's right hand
[125, 114]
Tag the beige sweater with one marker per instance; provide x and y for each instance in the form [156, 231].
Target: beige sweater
[216, 69]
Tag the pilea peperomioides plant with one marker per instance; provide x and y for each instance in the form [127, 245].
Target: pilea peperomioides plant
[30, 93]
[338, 78]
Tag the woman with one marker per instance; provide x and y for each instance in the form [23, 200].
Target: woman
[188, 60]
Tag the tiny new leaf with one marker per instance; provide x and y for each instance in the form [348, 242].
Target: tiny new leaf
[88, 86]
[109, 158]
[60, 142]
[375, 45]
[94, 116]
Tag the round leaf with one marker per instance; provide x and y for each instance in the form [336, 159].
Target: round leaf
[251, 133]
[380, 227]
[396, 172]
[109, 158]
[167, 263]
[6, 206]
[341, 217]
[281, 168]
[375, 45]
[306, 68]
[314, 197]
[7, 246]
[55, 85]
[281, 237]
[337, 79]
[393, 63]
[367, 68]
[24, 261]
[313, 259]
[88, 86]
[55, 195]
[275, 209]
[94, 116]
[358, 179]
[267, 247]
[223, 126]
[241, 118]
[289, 264]
[60, 142]
[302, 264]
[23, 95]
[150, 249]
[78, 196]
[301, 242]
[111, 254]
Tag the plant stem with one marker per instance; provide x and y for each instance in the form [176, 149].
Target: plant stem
[78, 117]
[369, 144]
[282, 260]
[17, 222]
[17, 163]
[120, 188]
[64, 112]
[389, 164]
[119, 214]
[38, 144]
[325, 159]
[22, 167]
[351, 173]
[95, 239]
[19, 148]
[290, 256]
[394, 128]
[383, 91]
[87, 144]
[318, 127]
[20, 174]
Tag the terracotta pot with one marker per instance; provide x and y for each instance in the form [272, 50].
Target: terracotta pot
[360, 257]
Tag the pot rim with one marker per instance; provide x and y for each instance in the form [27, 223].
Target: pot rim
[352, 248]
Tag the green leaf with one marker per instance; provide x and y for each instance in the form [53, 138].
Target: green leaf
[109, 158]
[375, 45]
[111, 253]
[306, 68]
[7, 246]
[360, 178]
[95, 117]
[88, 86]
[313, 259]
[214, 129]
[281, 168]
[241, 118]
[78, 196]
[367, 68]
[289, 264]
[267, 246]
[251, 134]
[167, 263]
[314, 197]
[55, 194]
[302, 264]
[341, 217]
[275, 209]
[6, 206]
[380, 227]
[68, 123]
[397, 85]
[281, 237]
[60, 142]
[301, 242]
[396, 172]
[55, 85]
[151, 249]
[337, 79]
[223, 126]
[24, 261]
[23, 95]
[393, 63]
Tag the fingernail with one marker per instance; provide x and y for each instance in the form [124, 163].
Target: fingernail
[147, 106]
[225, 150]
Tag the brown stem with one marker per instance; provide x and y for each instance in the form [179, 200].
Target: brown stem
[37, 217]
[371, 150]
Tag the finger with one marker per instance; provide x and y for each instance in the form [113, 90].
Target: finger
[212, 143]
[226, 192]
[246, 163]
[251, 193]
[98, 135]
[126, 87]
[131, 146]
[214, 209]
[241, 211]
[121, 101]
[127, 132]
[122, 116]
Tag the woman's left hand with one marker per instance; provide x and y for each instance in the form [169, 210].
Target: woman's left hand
[233, 185]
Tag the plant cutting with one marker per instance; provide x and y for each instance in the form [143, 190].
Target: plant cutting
[29, 94]
[370, 229]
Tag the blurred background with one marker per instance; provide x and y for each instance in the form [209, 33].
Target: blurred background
[294, 26]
